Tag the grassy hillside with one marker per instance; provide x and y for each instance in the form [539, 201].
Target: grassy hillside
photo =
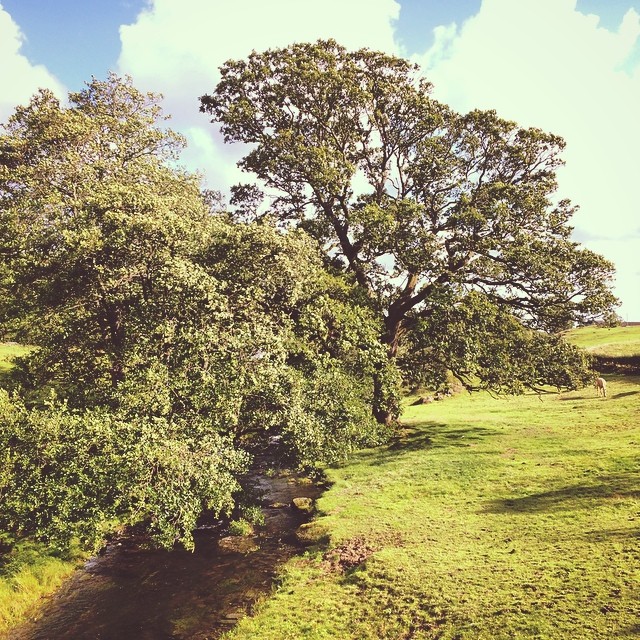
[486, 519]
[28, 573]
[610, 342]
[614, 350]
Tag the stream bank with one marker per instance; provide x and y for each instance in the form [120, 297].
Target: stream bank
[131, 592]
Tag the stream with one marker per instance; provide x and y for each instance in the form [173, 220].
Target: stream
[129, 592]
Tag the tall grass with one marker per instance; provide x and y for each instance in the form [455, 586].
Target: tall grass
[28, 572]
[486, 519]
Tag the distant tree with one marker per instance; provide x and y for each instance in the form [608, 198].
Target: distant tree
[416, 202]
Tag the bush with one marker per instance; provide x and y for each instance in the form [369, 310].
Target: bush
[240, 527]
[253, 514]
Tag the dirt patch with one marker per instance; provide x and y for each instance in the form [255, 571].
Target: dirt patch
[348, 555]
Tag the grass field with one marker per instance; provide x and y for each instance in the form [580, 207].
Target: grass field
[611, 342]
[27, 574]
[486, 519]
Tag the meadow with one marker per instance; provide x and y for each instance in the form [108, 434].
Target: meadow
[486, 518]
[615, 350]
[623, 341]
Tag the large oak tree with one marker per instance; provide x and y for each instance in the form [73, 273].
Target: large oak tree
[419, 203]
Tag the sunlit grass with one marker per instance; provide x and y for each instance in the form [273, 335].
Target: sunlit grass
[9, 351]
[605, 341]
[28, 572]
[491, 518]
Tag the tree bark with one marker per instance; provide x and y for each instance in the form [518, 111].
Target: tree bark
[381, 411]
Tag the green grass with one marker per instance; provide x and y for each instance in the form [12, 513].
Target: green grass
[489, 519]
[28, 573]
[610, 342]
[9, 351]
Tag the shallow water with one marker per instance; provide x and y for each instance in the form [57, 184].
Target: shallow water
[134, 593]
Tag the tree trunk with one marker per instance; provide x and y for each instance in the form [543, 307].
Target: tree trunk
[381, 410]
[394, 330]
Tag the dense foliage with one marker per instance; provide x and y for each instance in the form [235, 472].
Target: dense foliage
[68, 475]
[487, 347]
[170, 339]
[418, 203]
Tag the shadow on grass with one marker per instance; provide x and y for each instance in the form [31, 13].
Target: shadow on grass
[428, 435]
[625, 394]
[631, 632]
[585, 396]
[438, 434]
[608, 534]
[579, 496]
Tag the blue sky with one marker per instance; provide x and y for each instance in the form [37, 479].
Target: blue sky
[76, 39]
[568, 66]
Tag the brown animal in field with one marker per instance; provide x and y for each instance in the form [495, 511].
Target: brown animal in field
[601, 386]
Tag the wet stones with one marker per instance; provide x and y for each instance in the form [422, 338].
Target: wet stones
[303, 504]
[238, 544]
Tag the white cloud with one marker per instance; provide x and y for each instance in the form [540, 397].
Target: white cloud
[177, 47]
[19, 79]
[623, 252]
[544, 64]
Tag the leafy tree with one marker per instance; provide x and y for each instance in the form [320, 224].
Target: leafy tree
[418, 203]
[138, 294]
[174, 339]
[308, 351]
[487, 347]
[91, 218]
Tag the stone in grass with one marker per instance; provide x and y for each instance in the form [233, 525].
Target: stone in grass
[303, 504]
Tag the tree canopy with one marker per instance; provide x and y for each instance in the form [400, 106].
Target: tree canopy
[191, 339]
[417, 202]
[175, 339]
